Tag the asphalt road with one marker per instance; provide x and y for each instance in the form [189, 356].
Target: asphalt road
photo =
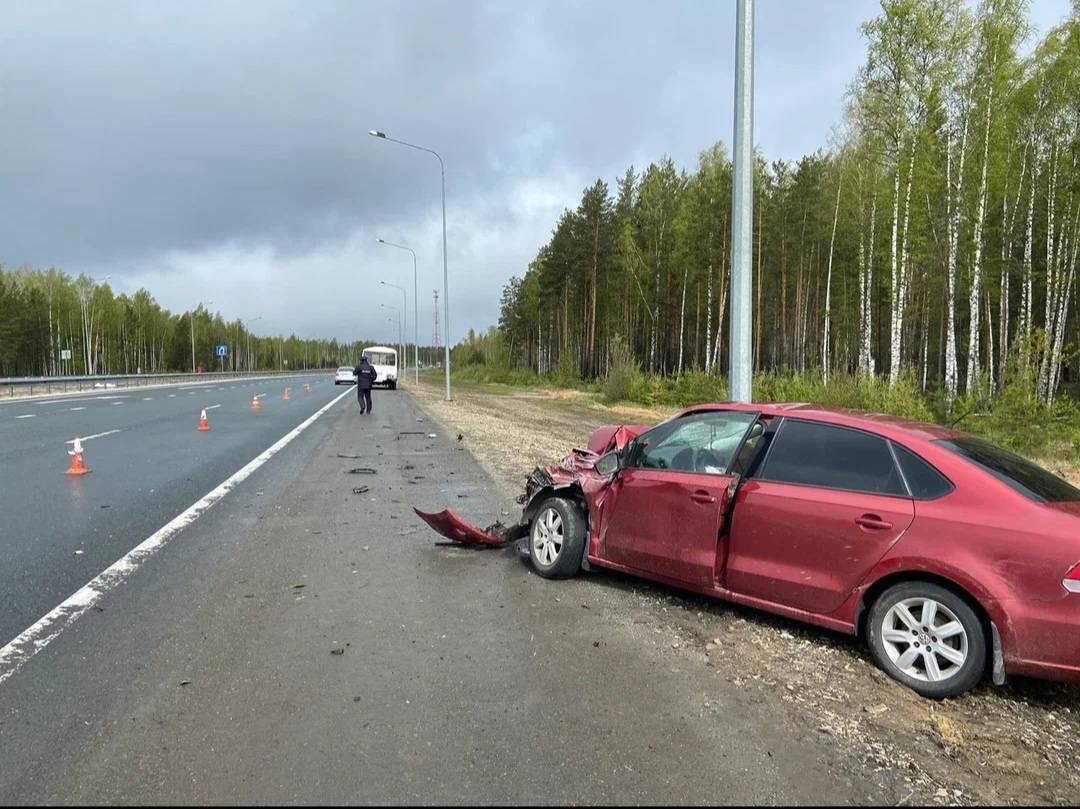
[148, 463]
[302, 643]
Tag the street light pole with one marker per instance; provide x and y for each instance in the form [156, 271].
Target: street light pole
[416, 310]
[742, 206]
[398, 313]
[208, 303]
[404, 310]
[446, 283]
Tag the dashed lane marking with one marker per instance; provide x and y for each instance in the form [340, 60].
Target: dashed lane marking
[95, 435]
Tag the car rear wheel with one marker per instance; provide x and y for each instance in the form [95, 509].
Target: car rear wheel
[928, 638]
[557, 538]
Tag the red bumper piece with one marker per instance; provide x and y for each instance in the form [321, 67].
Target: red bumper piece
[451, 526]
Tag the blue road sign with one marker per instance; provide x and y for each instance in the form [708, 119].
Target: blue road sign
[222, 351]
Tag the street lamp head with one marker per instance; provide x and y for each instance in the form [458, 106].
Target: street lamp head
[375, 133]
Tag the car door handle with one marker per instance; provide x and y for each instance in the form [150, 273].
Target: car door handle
[872, 522]
[702, 497]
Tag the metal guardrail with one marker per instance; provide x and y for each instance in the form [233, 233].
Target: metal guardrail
[28, 385]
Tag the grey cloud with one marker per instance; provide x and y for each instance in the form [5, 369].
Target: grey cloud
[175, 144]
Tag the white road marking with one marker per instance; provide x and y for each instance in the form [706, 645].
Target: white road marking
[70, 399]
[27, 416]
[117, 403]
[49, 627]
[77, 408]
[211, 407]
[95, 435]
[148, 398]
[172, 395]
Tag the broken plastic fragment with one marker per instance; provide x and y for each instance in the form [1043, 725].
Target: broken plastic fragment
[451, 526]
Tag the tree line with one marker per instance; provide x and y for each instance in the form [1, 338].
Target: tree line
[936, 236]
[54, 325]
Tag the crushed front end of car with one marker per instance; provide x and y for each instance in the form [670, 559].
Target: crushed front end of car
[576, 474]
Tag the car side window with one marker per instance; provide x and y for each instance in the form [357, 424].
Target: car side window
[705, 443]
[925, 482]
[814, 454]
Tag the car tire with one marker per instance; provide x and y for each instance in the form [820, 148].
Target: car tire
[917, 654]
[557, 538]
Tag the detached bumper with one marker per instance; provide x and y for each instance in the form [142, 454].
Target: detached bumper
[451, 526]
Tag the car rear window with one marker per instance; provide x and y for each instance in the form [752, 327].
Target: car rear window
[925, 482]
[814, 454]
[380, 357]
[1018, 473]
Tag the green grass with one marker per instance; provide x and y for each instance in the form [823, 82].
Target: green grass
[1011, 418]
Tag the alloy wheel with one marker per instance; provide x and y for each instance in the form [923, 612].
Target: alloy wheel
[547, 537]
[924, 639]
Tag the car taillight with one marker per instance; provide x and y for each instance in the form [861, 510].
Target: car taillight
[1071, 582]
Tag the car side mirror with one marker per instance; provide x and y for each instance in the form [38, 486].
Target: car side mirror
[609, 463]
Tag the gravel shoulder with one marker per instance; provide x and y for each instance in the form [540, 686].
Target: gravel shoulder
[1019, 744]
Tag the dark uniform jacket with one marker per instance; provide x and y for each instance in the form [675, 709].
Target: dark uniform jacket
[365, 375]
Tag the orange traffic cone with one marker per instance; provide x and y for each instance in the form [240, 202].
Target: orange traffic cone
[255, 402]
[204, 425]
[285, 395]
[77, 466]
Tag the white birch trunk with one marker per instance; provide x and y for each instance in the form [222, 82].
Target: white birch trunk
[899, 292]
[682, 322]
[828, 287]
[975, 292]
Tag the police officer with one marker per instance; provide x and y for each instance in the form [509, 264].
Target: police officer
[365, 379]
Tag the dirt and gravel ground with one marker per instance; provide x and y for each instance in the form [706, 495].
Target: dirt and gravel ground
[1019, 744]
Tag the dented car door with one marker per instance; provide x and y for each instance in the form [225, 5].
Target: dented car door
[665, 509]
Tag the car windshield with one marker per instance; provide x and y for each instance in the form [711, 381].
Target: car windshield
[1018, 473]
[380, 357]
[344, 370]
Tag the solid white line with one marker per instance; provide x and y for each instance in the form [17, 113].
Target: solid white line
[77, 408]
[95, 435]
[28, 416]
[49, 627]
[70, 399]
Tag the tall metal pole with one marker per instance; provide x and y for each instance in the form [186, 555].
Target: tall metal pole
[742, 207]
[402, 314]
[446, 276]
[446, 284]
[416, 311]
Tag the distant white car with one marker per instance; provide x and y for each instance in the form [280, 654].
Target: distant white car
[344, 376]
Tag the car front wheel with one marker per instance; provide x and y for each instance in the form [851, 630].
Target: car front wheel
[928, 638]
[557, 538]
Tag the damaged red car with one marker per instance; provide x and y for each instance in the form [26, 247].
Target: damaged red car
[952, 558]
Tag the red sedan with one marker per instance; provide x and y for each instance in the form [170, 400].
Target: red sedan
[951, 556]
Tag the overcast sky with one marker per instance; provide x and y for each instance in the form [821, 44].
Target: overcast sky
[218, 151]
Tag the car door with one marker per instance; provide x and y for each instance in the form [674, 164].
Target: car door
[826, 506]
[665, 508]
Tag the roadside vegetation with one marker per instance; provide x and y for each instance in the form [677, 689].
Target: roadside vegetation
[54, 325]
[1012, 416]
[922, 265]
